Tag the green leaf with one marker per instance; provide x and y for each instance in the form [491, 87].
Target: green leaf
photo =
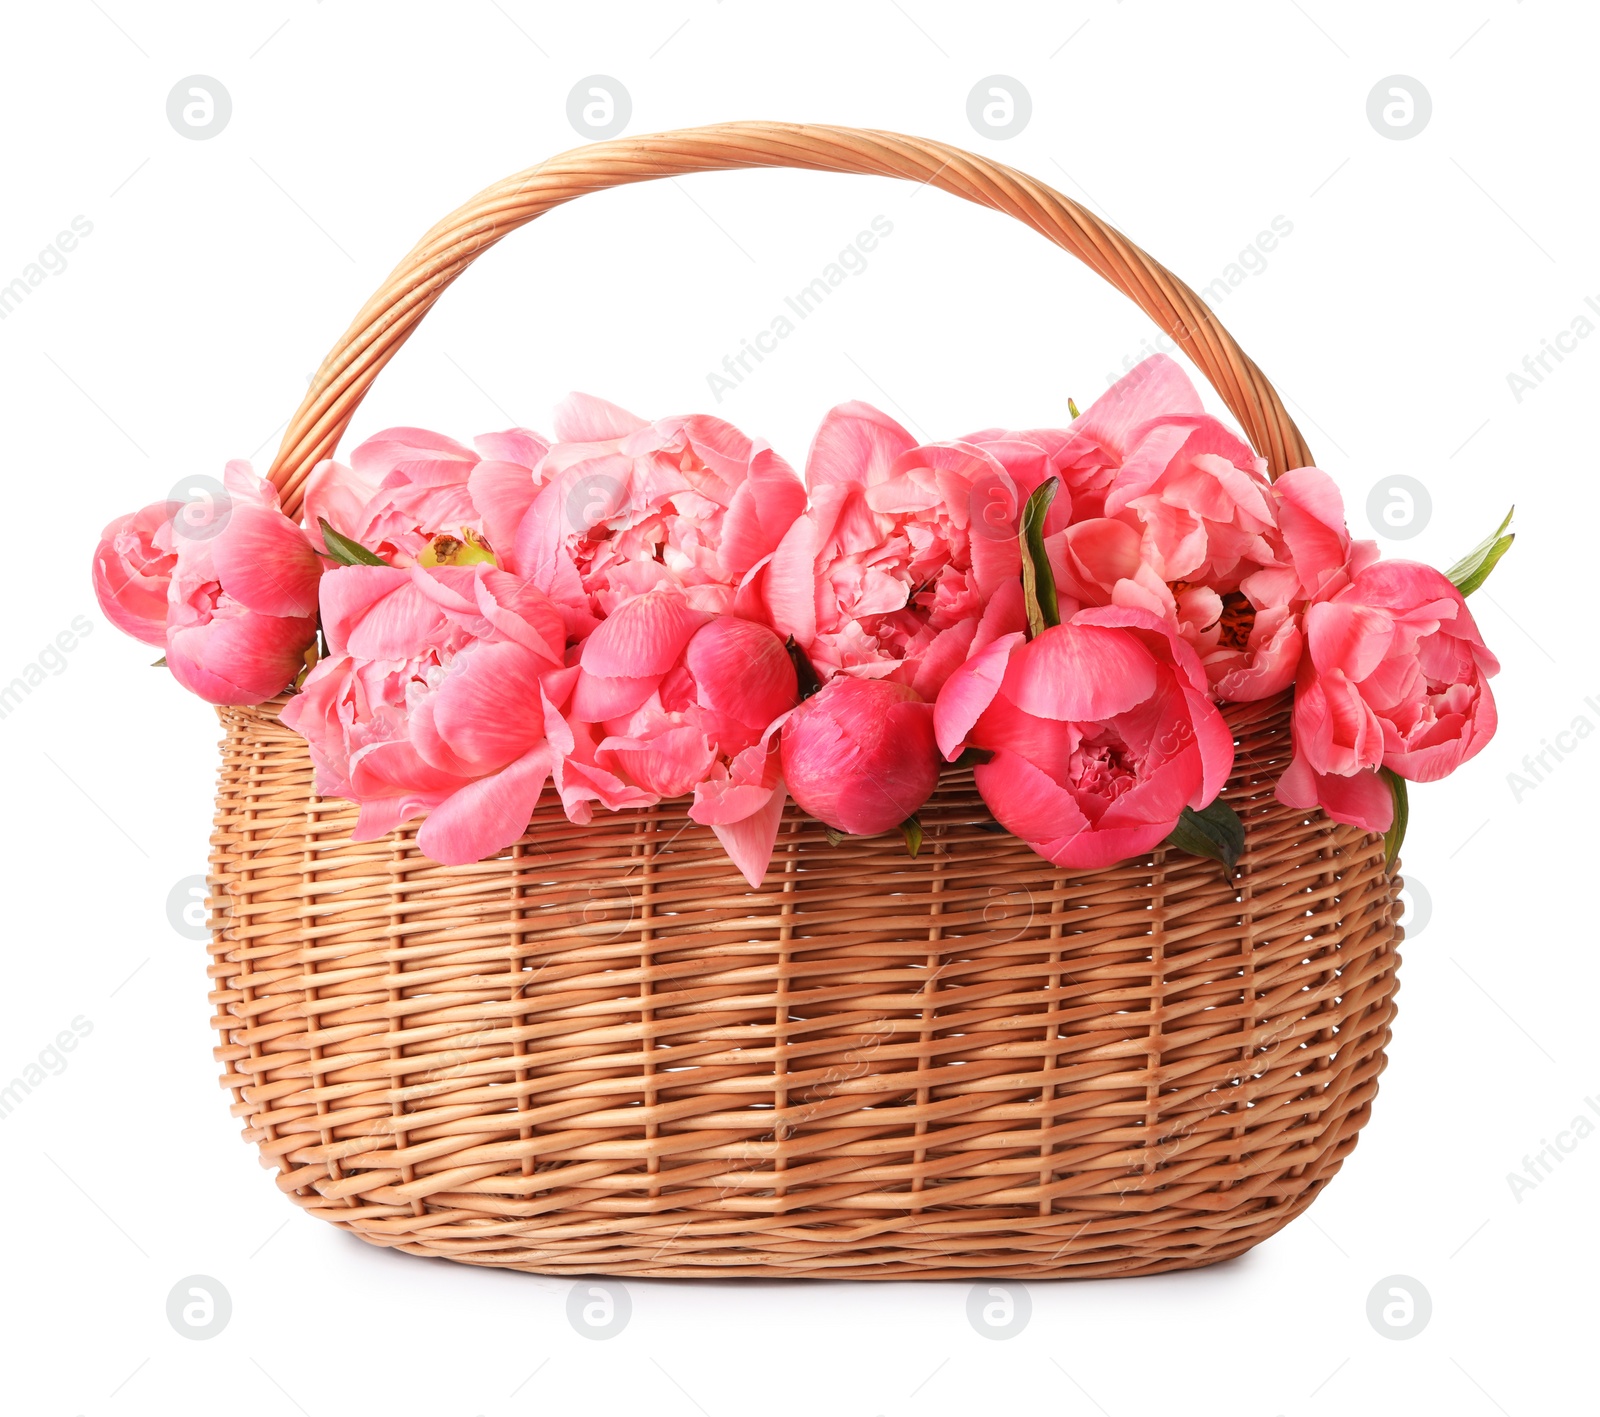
[1038, 580]
[1072, 408]
[805, 672]
[345, 551]
[1215, 832]
[836, 837]
[973, 757]
[1472, 570]
[1402, 817]
[911, 830]
[159, 663]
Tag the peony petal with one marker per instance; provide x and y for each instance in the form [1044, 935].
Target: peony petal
[501, 492]
[1429, 764]
[1348, 636]
[1005, 614]
[668, 764]
[741, 669]
[947, 652]
[1155, 387]
[1027, 802]
[643, 637]
[383, 452]
[518, 610]
[521, 446]
[790, 588]
[718, 444]
[763, 508]
[598, 698]
[265, 562]
[1095, 555]
[241, 657]
[968, 692]
[1080, 673]
[1100, 847]
[375, 612]
[1360, 800]
[132, 574]
[338, 495]
[381, 815]
[582, 418]
[855, 443]
[486, 816]
[1214, 739]
[486, 708]
[749, 841]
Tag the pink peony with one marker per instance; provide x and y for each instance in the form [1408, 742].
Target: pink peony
[887, 575]
[1207, 543]
[435, 698]
[406, 487]
[671, 700]
[242, 599]
[1110, 433]
[625, 507]
[860, 754]
[1100, 730]
[1395, 674]
[132, 573]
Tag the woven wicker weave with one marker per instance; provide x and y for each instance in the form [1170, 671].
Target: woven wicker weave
[602, 1053]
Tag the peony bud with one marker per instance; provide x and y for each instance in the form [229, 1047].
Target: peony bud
[860, 754]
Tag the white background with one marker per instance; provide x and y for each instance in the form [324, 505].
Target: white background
[181, 332]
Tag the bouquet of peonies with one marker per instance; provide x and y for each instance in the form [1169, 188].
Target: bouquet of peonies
[637, 612]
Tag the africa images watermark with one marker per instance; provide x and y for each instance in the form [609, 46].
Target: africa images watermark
[1251, 261]
[851, 261]
[53, 657]
[1536, 767]
[1542, 1164]
[49, 262]
[50, 1061]
[1536, 366]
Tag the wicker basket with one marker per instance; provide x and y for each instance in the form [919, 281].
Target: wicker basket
[602, 1053]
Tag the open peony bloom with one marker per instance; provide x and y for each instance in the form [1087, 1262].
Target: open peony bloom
[1395, 674]
[1203, 540]
[435, 697]
[860, 754]
[671, 700]
[406, 488]
[1100, 730]
[132, 573]
[242, 599]
[887, 575]
[625, 507]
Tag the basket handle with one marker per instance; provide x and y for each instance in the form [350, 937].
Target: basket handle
[386, 320]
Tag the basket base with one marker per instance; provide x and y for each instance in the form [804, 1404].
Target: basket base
[1051, 1251]
[1152, 1235]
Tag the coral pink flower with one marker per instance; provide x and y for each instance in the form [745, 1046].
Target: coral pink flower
[860, 754]
[406, 486]
[626, 507]
[1207, 543]
[1111, 432]
[1396, 674]
[242, 599]
[888, 573]
[671, 700]
[131, 572]
[435, 698]
[1100, 730]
